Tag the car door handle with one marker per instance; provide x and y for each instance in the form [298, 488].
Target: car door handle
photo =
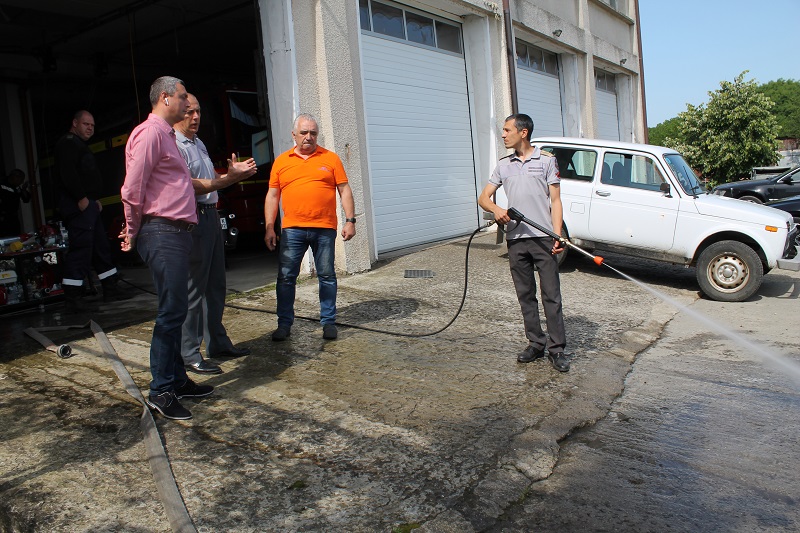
[602, 193]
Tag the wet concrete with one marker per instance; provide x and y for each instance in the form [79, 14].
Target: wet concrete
[367, 433]
[704, 437]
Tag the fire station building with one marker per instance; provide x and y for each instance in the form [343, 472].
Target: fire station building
[410, 94]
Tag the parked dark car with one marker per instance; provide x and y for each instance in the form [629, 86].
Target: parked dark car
[790, 205]
[763, 191]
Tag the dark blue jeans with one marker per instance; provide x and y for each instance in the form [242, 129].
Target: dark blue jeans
[166, 251]
[294, 243]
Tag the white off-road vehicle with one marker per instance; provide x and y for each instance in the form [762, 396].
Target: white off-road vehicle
[646, 201]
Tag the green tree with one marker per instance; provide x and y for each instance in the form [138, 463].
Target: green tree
[734, 132]
[786, 95]
[661, 132]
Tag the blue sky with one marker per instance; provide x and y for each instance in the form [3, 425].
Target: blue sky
[690, 46]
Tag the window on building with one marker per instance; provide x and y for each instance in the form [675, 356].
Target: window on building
[363, 12]
[420, 29]
[605, 81]
[534, 58]
[616, 5]
[402, 23]
[448, 37]
[388, 20]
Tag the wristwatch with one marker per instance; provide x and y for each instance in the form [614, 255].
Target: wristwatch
[353, 220]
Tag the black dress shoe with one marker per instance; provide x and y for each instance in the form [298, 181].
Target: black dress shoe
[233, 352]
[530, 354]
[559, 361]
[204, 367]
[190, 389]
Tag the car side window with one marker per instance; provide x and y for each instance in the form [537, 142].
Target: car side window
[576, 164]
[633, 171]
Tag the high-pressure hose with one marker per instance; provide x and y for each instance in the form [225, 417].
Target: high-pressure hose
[513, 213]
[396, 333]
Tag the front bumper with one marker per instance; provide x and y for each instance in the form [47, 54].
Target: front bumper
[791, 259]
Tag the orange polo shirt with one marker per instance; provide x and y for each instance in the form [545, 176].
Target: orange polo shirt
[308, 188]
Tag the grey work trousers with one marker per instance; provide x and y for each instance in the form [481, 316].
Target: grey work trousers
[207, 288]
[523, 254]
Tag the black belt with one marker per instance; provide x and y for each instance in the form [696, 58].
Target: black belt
[180, 224]
[207, 206]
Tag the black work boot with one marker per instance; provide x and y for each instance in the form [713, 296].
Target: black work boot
[75, 300]
[113, 292]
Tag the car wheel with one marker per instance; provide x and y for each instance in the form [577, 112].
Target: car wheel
[729, 271]
[752, 199]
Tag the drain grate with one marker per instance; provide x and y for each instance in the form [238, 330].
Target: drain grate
[419, 274]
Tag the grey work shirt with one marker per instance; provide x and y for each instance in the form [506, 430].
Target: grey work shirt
[527, 186]
[195, 154]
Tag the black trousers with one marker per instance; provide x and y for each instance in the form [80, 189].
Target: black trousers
[523, 255]
[88, 244]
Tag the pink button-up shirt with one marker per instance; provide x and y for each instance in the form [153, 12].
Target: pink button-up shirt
[157, 180]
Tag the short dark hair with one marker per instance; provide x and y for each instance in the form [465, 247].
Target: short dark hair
[79, 114]
[165, 84]
[522, 122]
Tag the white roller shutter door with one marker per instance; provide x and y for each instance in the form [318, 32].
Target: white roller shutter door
[420, 143]
[607, 117]
[539, 96]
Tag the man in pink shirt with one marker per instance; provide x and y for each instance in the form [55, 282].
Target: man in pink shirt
[160, 213]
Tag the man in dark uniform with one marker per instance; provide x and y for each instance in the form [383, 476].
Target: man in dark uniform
[12, 191]
[81, 185]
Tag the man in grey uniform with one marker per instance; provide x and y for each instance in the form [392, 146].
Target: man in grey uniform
[207, 284]
[532, 184]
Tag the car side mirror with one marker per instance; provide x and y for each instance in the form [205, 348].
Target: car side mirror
[666, 189]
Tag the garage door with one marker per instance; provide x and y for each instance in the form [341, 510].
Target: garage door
[538, 90]
[420, 142]
[606, 105]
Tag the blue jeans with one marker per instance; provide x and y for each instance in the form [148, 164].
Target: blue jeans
[294, 243]
[166, 251]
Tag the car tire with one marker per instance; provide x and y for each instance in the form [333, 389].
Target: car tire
[729, 271]
[752, 199]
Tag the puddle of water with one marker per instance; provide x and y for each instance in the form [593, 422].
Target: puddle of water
[775, 359]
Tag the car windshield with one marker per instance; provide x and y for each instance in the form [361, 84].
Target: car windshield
[685, 174]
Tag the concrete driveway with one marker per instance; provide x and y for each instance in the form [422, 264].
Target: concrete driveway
[371, 432]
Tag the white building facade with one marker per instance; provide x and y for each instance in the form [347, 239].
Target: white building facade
[412, 95]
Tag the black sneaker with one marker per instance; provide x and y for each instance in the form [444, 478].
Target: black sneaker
[281, 334]
[190, 389]
[329, 332]
[559, 361]
[168, 405]
[530, 354]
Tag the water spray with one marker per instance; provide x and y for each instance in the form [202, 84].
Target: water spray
[514, 214]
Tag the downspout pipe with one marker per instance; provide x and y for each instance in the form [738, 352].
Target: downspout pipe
[512, 61]
[641, 75]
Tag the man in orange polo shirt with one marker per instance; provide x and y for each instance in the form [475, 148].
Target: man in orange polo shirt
[304, 180]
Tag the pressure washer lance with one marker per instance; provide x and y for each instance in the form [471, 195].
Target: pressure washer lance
[514, 214]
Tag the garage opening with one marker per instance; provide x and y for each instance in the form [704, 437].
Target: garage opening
[59, 57]
[422, 167]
